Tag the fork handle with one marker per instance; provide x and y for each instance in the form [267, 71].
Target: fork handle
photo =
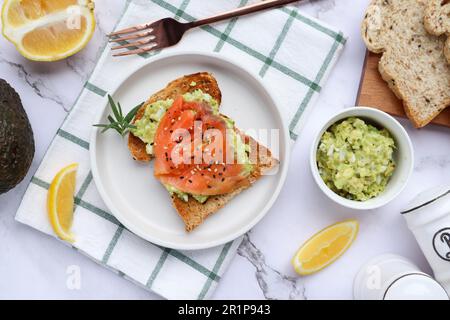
[263, 5]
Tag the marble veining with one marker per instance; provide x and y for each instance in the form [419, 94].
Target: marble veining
[322, 6]
[80, 66]
[273, 283]
[427, 162]
[38, 85]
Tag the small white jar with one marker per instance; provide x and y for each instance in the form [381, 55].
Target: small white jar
[428, 218]
[392, 277]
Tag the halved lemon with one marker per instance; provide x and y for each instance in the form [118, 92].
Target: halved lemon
[325, 247]
[48, 30]
[60, 200]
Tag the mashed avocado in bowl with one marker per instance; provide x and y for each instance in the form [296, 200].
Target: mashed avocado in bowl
[355, 159]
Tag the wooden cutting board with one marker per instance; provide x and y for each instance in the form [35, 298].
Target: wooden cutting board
[374, 92]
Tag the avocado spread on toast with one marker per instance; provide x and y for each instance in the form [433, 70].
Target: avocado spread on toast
[147, 126]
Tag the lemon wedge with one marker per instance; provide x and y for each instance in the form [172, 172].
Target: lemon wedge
[60, 200]
[48, 30]
[325, 247]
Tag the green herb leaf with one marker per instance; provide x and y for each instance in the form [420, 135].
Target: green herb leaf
[132, 113]
[120, 110]
[114, 108]
[117, 121]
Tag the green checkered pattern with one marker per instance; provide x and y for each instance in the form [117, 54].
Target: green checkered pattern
[278, 37]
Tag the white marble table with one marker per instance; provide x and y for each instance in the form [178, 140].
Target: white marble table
[33, 265]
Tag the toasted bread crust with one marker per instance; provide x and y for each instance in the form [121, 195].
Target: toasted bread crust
[194, 213]
[413, 63]
[437, 21]
[411, 111]
[203, 81]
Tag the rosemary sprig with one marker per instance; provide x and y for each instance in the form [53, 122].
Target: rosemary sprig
[120, 123]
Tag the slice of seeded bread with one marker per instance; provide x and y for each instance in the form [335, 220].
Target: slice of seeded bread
[437, 21]
[413, 63]
[194, 213]
[204, 81]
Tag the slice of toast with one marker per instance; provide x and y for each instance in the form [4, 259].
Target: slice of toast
[194, 213]
[413, 63]
[204, 81]
[437, 21]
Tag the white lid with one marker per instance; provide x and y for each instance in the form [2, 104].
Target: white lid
[427, 197]
[415, 287]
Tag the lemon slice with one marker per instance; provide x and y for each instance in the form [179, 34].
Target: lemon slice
[48, 30]
[60, 202]
[325, 247]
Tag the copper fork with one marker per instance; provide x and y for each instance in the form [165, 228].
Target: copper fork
[168, 32]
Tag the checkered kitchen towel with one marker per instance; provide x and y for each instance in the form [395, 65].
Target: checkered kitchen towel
[293, 54]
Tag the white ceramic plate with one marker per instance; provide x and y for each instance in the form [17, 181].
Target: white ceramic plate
[140, 202]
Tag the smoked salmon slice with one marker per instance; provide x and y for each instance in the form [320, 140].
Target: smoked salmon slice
[194, 150]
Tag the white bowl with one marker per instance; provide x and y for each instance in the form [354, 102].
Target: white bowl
[403, 156]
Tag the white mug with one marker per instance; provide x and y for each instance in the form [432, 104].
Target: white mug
[428, 218]
[392, 277]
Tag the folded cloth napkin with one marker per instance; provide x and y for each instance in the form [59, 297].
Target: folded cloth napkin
[292, 53]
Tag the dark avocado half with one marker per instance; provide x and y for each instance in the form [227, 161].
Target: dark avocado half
[16, 139]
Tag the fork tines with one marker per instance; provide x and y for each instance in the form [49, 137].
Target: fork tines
[143, 36]
[131, 29]
[151, 47]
